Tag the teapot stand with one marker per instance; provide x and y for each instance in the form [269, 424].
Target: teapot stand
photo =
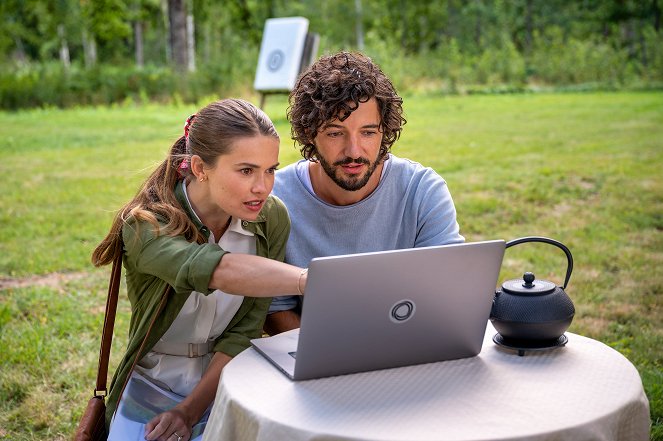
[522, 346]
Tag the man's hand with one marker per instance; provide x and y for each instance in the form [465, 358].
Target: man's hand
[281, 321]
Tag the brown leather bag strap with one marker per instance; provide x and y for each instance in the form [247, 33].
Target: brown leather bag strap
[109, 322]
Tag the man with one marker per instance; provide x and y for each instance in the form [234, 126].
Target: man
[350, 194]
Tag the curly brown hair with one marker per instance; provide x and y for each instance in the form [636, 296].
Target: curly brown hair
[332, 88]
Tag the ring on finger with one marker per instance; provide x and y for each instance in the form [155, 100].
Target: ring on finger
[179, 437]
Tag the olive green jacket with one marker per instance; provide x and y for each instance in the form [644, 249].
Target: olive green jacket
[153, 263]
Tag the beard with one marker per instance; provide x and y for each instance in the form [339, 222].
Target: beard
[352, 183]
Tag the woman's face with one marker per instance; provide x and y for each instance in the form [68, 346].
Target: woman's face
[241, 180]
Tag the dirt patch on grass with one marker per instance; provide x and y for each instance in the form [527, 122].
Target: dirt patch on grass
[52, 280]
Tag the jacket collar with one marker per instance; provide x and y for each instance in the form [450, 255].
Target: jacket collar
[254, 227]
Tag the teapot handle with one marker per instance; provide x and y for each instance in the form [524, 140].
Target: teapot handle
[569, 258]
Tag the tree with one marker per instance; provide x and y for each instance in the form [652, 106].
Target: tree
[190, 40]
[359, 27]
[177, 28]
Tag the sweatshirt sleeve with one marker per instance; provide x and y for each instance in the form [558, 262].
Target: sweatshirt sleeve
[436, 220]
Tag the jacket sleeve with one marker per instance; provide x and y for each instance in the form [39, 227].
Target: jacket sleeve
[249, 320]
[184, 265]
[246, 324]
[278, 231]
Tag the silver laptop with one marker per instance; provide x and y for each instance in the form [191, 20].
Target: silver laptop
[386, 309]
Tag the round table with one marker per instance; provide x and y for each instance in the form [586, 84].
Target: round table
[582, 391]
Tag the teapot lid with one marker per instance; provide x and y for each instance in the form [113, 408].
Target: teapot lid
[528, 285]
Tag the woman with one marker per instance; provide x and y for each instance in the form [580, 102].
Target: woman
[203, 223]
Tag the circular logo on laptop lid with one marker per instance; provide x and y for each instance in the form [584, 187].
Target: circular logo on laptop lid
[402, 311]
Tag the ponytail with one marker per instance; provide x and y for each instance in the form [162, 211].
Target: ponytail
[154, 200]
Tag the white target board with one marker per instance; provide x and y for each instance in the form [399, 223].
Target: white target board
[281, 52]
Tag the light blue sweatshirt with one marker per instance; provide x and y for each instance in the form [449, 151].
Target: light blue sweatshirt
[411, 207]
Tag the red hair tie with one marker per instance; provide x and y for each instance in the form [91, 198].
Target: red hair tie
[184, 165]
[187, 125]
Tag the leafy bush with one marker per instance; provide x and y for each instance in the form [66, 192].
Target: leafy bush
[653, 50]
[560, 60]
[556, 60]
[500, 65]
[44, 85]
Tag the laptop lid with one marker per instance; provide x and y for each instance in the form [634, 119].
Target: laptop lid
[386, 309]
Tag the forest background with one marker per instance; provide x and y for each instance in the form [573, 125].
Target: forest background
[70, 52]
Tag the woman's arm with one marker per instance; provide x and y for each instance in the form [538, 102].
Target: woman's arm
[255, 276]
[182, 417]
[186, 266]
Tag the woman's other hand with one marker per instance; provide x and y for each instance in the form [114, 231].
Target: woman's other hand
[168, 426]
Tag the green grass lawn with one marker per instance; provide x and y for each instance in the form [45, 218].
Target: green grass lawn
[585, 169]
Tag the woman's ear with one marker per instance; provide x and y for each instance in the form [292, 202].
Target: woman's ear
[198, 168]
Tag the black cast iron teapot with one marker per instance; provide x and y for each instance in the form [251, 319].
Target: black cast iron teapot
[532, 310]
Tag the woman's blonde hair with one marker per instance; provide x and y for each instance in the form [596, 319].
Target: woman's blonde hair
[210, 133]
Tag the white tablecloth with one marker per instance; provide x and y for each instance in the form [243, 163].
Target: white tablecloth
[583, 391]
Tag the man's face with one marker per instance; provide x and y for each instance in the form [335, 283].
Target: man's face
[349, 150]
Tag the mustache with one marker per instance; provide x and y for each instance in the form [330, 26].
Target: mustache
[348, 160]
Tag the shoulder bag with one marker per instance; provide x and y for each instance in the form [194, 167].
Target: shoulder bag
[92, 426]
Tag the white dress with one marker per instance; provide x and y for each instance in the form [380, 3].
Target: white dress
[202, 319]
